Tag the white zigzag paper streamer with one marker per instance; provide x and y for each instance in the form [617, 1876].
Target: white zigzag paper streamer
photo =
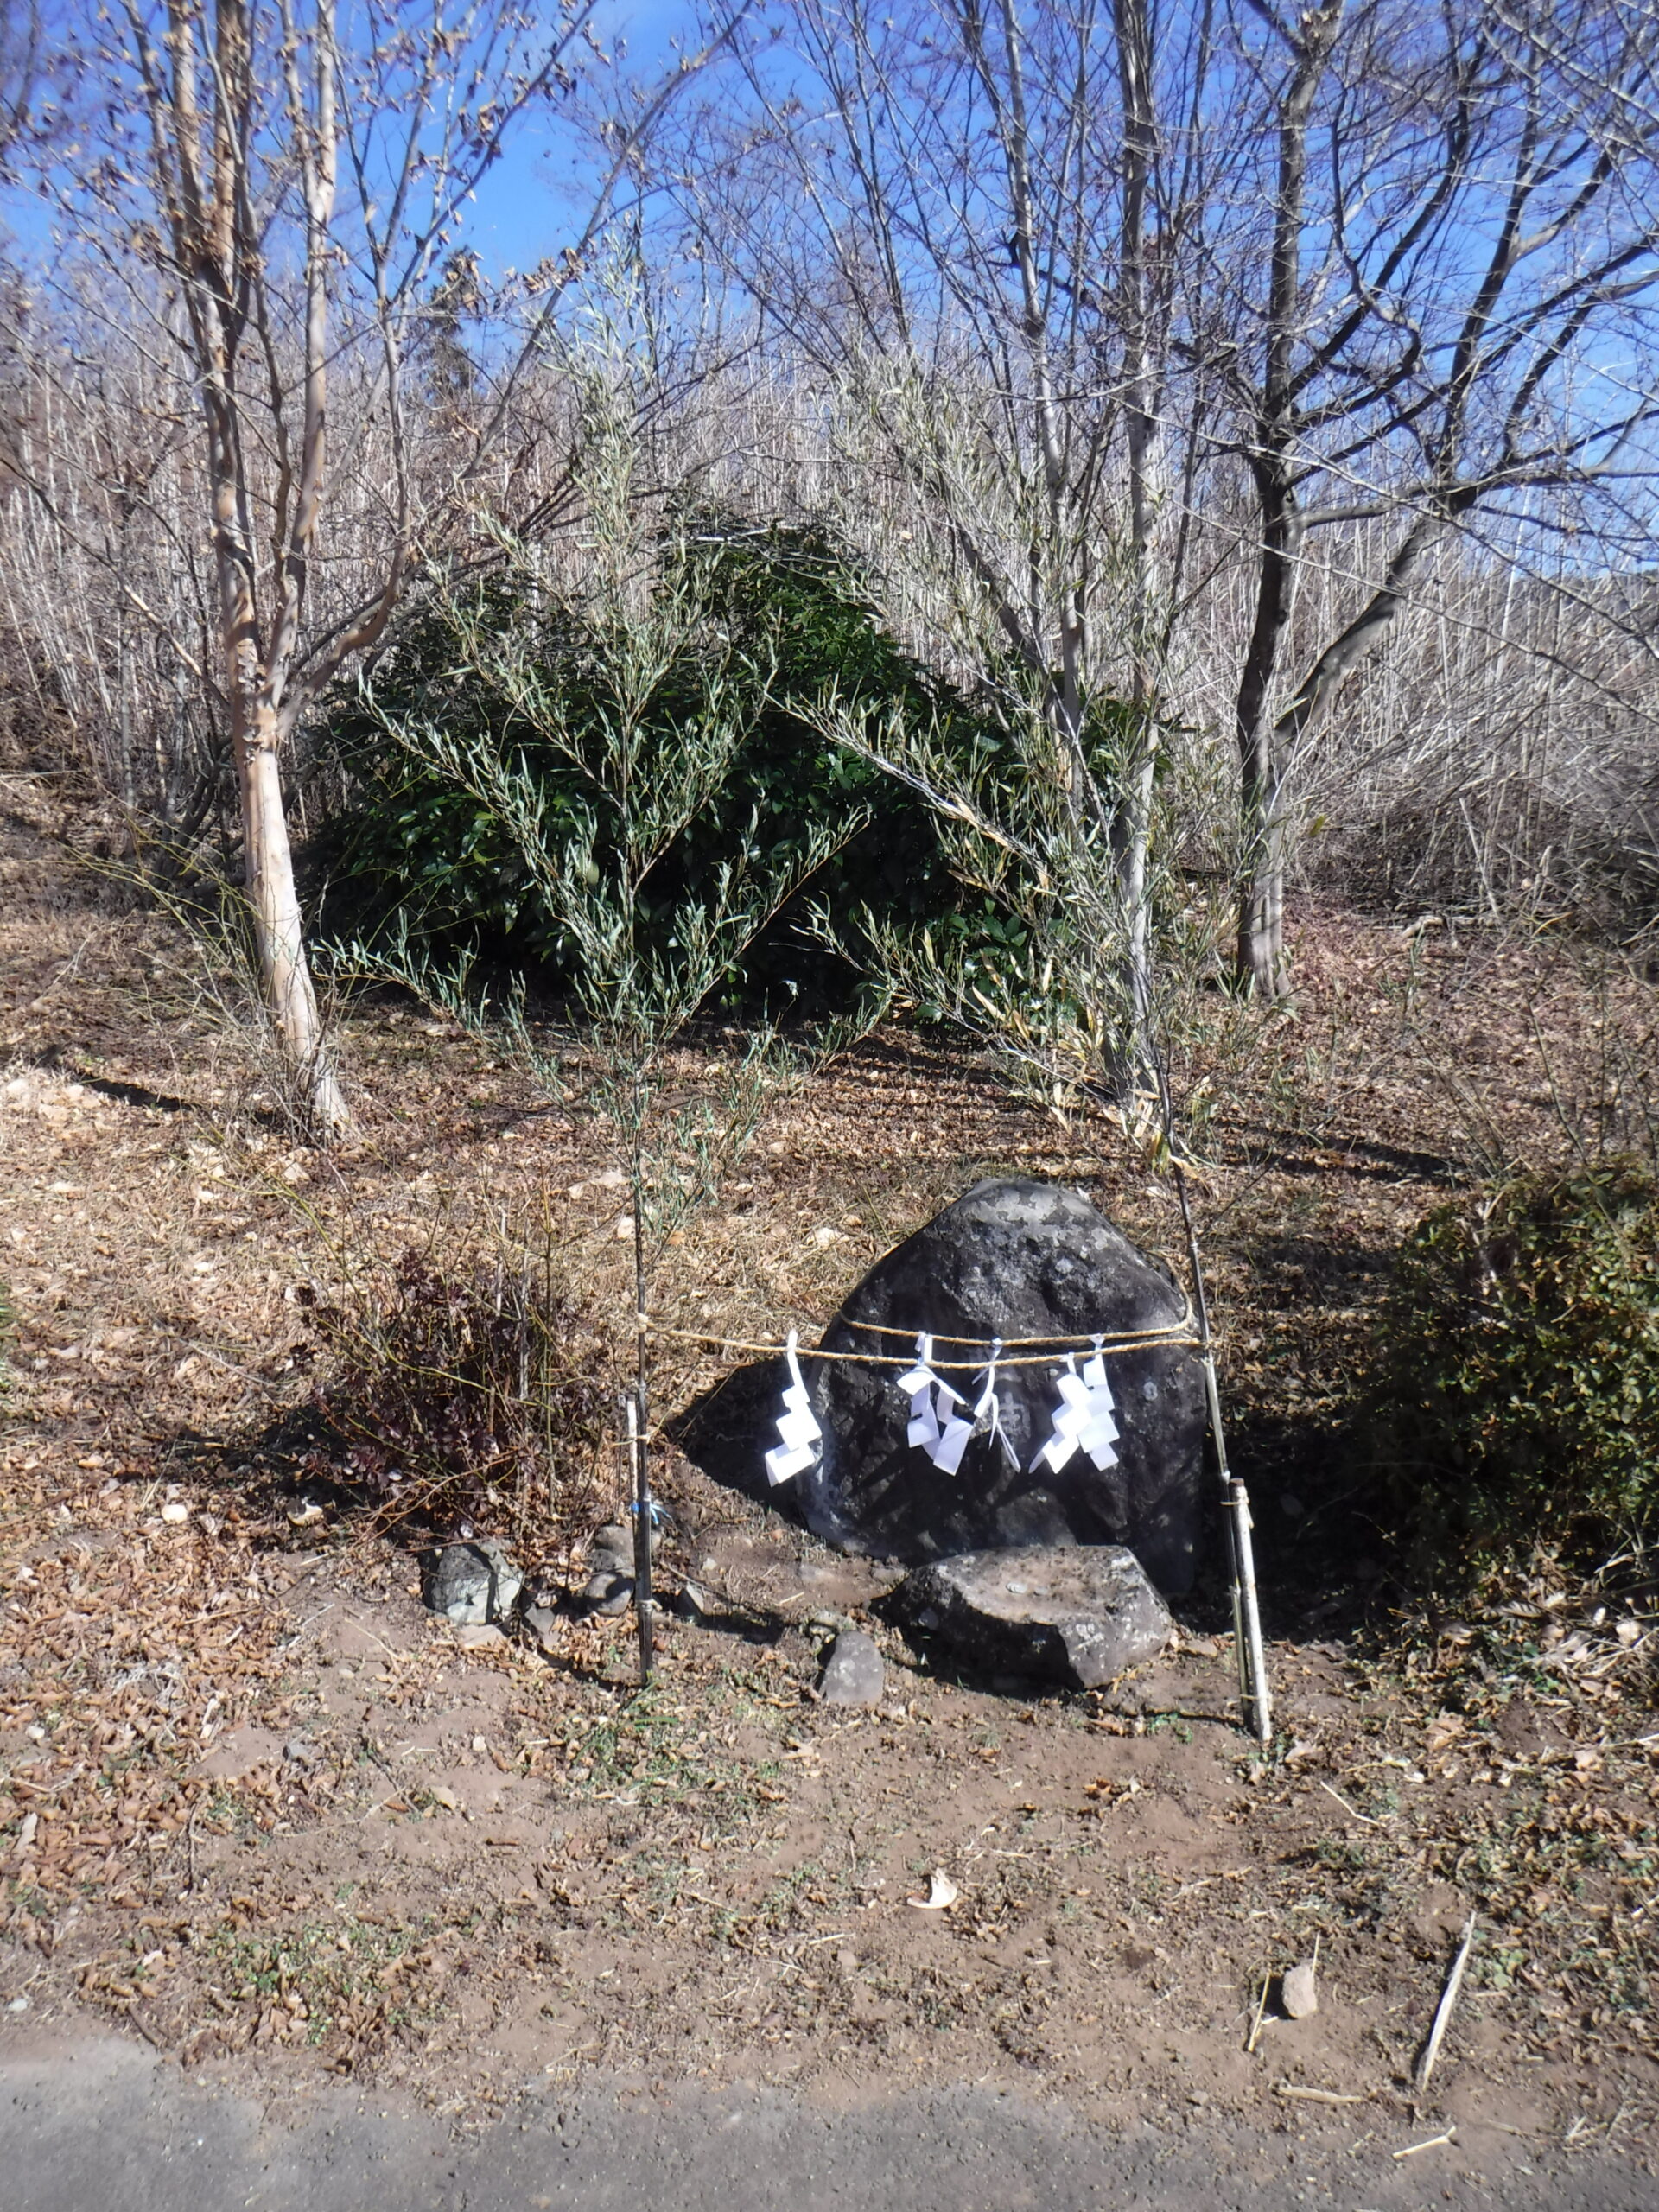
[797, 1427]
[930, 1397]
[1084, 1416]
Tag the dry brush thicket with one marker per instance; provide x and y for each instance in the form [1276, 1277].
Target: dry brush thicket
[1499, 752]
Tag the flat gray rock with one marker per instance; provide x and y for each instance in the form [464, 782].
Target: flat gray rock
[1017, 1259]
[1072, 1613]
[853, 1674]
[470, 1584]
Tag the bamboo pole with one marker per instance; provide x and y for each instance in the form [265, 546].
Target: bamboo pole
[641, 1537]
[1255, 1696]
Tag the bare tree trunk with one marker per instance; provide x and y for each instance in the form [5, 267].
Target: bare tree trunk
[273, 901]
[1261, 949]
[1132, 827]
[1259, 956]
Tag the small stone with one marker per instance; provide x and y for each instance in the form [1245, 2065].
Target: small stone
[1297, 1993]
[470, 1584]
[853, 1674]
[691, 1602]
[18, 2004]
[608, 1594]
[176, 1514]
[541, 1624]
[299, 1751]
[480, 1635]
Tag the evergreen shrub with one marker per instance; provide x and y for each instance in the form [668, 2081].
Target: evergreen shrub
[1516, 1395]
[410, 843]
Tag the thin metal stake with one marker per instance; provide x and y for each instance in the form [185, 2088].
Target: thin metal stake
[641, 1537]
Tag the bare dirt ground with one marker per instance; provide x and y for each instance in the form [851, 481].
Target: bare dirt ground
[260, 1810]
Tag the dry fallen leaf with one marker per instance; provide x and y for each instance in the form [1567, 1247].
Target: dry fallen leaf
[941, 1896]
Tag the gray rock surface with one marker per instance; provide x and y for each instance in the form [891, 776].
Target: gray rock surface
[1012, 1258]
[1299, 1992]
[853, 1674]
[541, 1624]
[470, 1584]
[1072, 1613]
[607, 1592]
[612, 1547]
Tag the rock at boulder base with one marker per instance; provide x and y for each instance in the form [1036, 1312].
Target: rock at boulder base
[1014, 1258]
[470, 1584]
[1072, 1613]
[853, 1674]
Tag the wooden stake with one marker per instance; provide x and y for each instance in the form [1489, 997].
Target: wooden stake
[1443, 2011]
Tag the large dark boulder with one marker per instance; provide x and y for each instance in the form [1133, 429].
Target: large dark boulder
[1012, 1258]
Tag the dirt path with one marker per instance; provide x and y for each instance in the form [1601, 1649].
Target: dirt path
[103, 2126]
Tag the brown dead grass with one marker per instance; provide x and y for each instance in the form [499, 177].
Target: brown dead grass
[259, 1807]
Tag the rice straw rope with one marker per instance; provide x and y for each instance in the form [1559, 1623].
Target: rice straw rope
[1176, 1334]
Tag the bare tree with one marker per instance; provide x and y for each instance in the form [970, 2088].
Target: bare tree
[958, 215]
[266, 211]
[20, 61]
[1447, 309]
[1153, 309]
[248, 117]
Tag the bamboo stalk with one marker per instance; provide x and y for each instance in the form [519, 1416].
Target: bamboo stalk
[1255, 1697]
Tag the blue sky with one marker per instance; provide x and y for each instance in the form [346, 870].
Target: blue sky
[526, 204]
[524, 207]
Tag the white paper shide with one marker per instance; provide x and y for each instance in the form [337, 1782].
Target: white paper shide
[799, 1432]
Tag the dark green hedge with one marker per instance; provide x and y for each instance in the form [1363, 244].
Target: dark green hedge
[408, 842]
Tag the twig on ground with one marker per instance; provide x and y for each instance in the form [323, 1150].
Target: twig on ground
[1443, 2010]
[1432, 2143]
[1260, 2014]
[1352, 1812]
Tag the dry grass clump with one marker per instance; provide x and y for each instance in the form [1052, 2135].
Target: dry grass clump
[471, 1394]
